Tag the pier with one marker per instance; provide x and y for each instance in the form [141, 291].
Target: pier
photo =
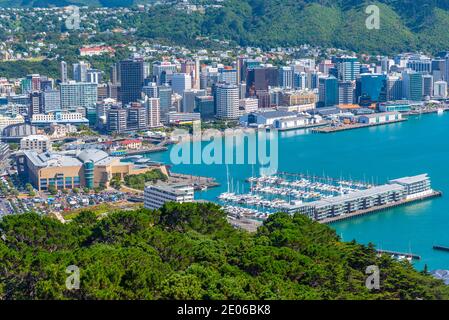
[441, 248]
[396, 253]
[354, 126]
[384, 207]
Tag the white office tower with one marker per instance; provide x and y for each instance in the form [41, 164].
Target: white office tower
[227, 101]
[181, 82]
[80, 71]
[286, 77]
[440, 89]
[156, 196]
[64, 76]
[153, 106]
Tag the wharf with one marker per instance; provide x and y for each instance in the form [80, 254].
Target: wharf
[361, 213]
[307, 126]
[396, 253]
[441, 248]
[146, 151]
[199, 183]
[354, 126]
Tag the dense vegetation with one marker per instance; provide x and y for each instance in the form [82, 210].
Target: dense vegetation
[138, 181]
[404, 24]
[189, 251]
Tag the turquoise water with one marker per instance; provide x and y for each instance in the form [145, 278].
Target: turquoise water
[420, 145]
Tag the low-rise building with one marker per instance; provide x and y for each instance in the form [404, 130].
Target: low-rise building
[73, 118]
[380, 117]
[155, 196]
[66, 170]
[39, 143]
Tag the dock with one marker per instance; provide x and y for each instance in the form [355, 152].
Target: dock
[435, 194]
[396, 253]
[441, 248]
[198, 183]
[354, 126]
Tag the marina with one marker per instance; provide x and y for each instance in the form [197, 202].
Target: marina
[323, 199]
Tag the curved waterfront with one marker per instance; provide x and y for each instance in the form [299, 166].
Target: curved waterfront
[420, 145]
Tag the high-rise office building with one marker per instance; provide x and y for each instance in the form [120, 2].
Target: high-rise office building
[181, 82]
[372, 86]
[440, 89]
[165, 95]
[137, 117]
[427, 85]
[63, 72]
[420, 63]
[93, 76]
[394, 88]
[328, 92]
[348, 68]
[80, 71]
[152, 106]
[286, 77]
[205, 105]
[260, 79]
[163, 71]
[188, 99]
[345, 92]
[116, 119]
[131, 80]
[228, 76]
[78, 94]
[227, 101]
[413, 85]
[151, 90]
[51, 100]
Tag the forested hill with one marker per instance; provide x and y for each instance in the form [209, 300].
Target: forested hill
[189, 251]
[405, 25]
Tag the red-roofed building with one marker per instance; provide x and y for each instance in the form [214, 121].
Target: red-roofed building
[96, 51]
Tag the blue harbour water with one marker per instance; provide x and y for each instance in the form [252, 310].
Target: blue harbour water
[420, 145]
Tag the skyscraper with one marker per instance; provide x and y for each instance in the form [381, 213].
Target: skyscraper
[440, 89]
[286, 77]
[64, 74]
[328, 92]
[348, 68]
[413, 85]
[345, 92]
[227, 101]
[181, 82]
[131, 80]
[372, 86]
[394, 88]
[78, 94]
[80, 71]
[165, 96]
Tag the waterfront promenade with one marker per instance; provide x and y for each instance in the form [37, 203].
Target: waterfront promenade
[346, 127]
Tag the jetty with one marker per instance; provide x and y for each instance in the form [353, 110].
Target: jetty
[388, 206]
[441, 248]
[398, 254]
[345, 127]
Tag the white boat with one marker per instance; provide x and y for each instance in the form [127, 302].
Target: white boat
[440, 111]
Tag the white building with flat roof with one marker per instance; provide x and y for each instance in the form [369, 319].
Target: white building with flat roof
[38, 143]
[156, 196]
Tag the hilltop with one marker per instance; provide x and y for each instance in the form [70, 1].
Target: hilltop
[405, 25]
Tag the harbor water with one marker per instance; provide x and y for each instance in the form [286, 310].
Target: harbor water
[375, 155]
